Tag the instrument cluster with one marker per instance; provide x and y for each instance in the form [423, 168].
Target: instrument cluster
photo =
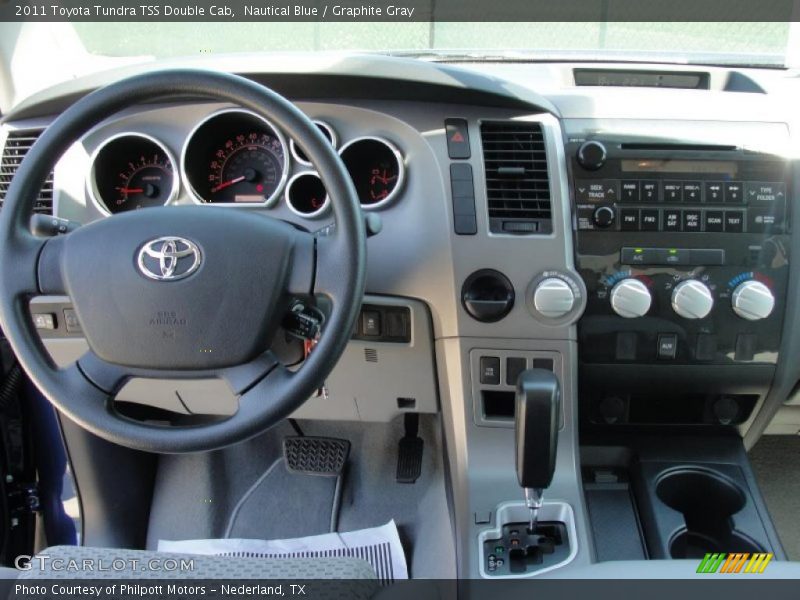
[236, 158]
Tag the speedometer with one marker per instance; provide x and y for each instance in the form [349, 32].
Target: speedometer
[237, 158]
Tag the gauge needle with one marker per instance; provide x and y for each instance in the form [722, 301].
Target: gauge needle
[131, 190]
[225, 184]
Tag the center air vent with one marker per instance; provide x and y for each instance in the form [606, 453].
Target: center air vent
[16, 147]
[517, 185]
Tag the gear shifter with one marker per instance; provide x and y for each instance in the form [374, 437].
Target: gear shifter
[538, 404]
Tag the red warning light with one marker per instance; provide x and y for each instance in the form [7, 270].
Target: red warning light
[457, 137]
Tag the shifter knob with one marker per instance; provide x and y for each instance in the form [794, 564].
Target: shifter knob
[538, 405]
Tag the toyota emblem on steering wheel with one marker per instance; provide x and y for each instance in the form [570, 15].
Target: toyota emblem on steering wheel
[168, 258]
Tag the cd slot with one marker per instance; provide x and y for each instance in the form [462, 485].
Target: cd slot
[680, 147]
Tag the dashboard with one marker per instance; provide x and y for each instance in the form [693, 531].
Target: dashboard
[649, 229]
[636, 241]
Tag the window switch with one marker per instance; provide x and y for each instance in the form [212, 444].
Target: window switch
[490, 370]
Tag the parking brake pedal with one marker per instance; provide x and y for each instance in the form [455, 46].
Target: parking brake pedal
[315, 455]
[409, 455]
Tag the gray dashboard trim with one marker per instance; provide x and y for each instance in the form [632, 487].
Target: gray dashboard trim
[371, 77]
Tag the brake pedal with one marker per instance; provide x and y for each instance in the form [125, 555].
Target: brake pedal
[409, 454]
[315, 455]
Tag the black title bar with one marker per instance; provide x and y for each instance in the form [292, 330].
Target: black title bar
[403, 10]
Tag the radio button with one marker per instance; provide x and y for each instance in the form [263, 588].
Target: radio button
[630, 191]
[672, 220]
[596, 190]
[629, 219]
[692, 192]
[715, 192]
[649, 191]
[692, 221]
[762, 221]
[715, 220]
[734, 221]
[734, 193]
[673, 191]
[650, 220]
[764, 192]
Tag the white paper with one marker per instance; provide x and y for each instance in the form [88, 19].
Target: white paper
[372, 545]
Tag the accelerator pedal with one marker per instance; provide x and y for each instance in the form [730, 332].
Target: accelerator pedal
[409, 455]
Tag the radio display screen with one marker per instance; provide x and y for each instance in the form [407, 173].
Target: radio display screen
[724, 168]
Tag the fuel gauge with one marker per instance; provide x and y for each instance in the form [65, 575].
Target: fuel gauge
[132, 171]
[376, 168]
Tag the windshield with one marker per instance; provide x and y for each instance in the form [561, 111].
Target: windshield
[38, 55]
[741, 43]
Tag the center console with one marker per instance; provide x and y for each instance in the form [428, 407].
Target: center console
[684, 252]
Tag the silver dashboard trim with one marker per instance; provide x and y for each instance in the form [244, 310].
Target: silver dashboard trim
[517, 512]
[91, 184]
[312, 215]
[324, 125]
[269, 202]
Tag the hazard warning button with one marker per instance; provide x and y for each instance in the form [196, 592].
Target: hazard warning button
[457, 138]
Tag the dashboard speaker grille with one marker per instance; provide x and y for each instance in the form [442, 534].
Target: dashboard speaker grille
[517, 181]
[16, 146]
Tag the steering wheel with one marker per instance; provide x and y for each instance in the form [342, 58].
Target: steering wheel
[223, 281]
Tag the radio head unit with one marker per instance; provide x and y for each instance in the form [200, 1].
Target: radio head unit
[680, 189]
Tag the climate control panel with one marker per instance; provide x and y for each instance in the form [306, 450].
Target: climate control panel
[717, 314]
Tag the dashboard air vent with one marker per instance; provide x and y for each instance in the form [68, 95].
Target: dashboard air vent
[517, 183]
[16, 147]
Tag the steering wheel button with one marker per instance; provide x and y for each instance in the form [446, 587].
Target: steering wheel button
[71, 321]
[44, 321]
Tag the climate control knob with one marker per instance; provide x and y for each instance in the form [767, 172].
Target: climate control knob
[553, 298]
[630, 298]
[692, 299]
[752, 300]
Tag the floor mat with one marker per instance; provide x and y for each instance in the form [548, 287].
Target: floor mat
[276, 493]
[776, 462]
[379, 546]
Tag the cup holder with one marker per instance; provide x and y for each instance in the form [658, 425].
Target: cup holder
[707, 500]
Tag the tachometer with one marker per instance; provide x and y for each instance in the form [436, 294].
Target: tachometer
[132, 171]
[377, 169]
[235, 157]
